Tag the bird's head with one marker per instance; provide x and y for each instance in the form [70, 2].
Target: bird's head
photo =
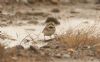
[52, 20]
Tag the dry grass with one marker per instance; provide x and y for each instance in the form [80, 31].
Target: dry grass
[81, 41]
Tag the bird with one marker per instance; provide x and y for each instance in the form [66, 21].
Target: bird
[49, 29]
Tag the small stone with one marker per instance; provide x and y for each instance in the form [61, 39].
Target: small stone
[55, 10]
[34, 49]
[58, 55]
[31, 1]
[66, 56]
[46, 46]
[54, 1]
[14, 58]
[19, 47]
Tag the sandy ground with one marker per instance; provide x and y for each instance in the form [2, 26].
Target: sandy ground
[18, 22]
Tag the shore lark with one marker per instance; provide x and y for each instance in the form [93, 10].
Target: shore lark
[49, 29]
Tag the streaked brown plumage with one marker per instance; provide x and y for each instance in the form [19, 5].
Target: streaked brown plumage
[49, 29]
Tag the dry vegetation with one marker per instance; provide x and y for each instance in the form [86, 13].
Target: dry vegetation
[75, 43]
[81, 43]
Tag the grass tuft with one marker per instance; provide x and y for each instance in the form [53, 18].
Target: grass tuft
[81, 41]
